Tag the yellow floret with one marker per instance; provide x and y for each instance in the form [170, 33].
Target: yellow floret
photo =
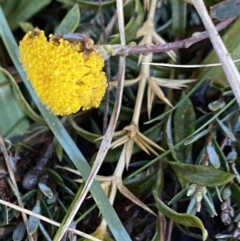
[64, 78]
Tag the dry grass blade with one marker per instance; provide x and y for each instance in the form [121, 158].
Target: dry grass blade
[147, 146]
[158, 92]
[142, 145]
[132, 197]
[119, 141]
[127, 83]
[149, 141]
[172, 83]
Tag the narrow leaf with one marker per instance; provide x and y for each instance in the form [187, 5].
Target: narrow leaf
[178, 196]
[95, 5]
[33, 221]
[235, 197]
[12, 121]
[180, 218]
[19, 232]
[179, 17]
[54, 175]
[24, 10]
[70, 22]
[44, 232]
[45, 189]
[196, 137]
[209, 206]
[226, 130]
[213, 156]
[22, 102]
[184, 125]
[133, 25]
[83, 133]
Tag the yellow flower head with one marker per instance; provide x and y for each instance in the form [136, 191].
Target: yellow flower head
[64, 77]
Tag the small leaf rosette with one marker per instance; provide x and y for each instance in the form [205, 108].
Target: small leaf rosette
[64, 77]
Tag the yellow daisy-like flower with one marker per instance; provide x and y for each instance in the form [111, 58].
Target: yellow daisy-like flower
[64, 77]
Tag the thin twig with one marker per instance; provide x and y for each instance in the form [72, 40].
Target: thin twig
[185, 43]
[228, 66]
[13, 180]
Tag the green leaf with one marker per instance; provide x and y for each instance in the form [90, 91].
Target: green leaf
[225, 9]
[83, 133]
[209, 205]
[46, 211]
[54, 175]
[8, 6]
[13, 121]
[141, 182]
[4, 213]
[235, 197]
[29, 195]
[95, 5]
[59, 152]
[22, 102]
[70, 21]
[180, 218]
[226, 130]
[65, 140]
[45, 189]
[192, 206]
[221, 154]
[125, 112]
[179, 17]
[184, 125]
[26, 26]
[133, 25]
[203, 175]
[213, 156]
[19, 232]
[45, 232]
[196, 137]
[33, 221]
[181, 194]
[169, 138]
[24, 10]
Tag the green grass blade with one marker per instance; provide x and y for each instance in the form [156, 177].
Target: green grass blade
[65, 140]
